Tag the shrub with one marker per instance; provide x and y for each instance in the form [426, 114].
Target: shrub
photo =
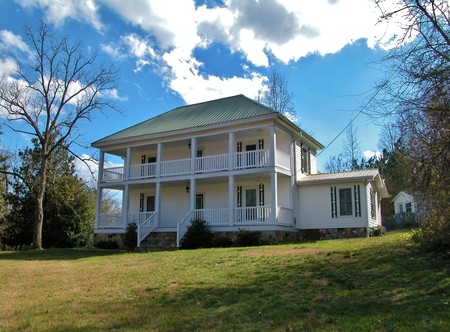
[221, 241]
[107, 245]
[198, 235]
[130, 239]
[245, 238]
[376, 231]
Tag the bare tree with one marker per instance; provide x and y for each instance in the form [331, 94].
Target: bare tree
[278, 96]
[50, 95]
[416, 97]
[352, 150]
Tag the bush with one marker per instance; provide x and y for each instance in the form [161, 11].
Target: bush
[130, 239]
[221, 241]
[245, 238]
[198, 235]
[376, 231]
[107, 245]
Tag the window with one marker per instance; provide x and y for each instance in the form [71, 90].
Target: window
[408, 207]
[345, 202]
[400, 208]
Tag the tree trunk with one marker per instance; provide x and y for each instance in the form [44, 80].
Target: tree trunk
[39, 204]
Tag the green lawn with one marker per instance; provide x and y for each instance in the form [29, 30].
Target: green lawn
[360, 284]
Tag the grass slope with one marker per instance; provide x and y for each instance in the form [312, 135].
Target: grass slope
[375, 284]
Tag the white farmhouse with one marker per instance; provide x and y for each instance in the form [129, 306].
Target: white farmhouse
[236, 164]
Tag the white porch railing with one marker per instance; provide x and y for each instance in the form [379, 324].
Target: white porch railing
[249, 159]
[139, 217]
[283, 159]
[110, 221]
[211, 163]
[216, 163]
[146, 227]
[182, 226]
[252, 215]
[285, 216]
[176, 167]
[214, 217]
[143, 171]
[113, 174]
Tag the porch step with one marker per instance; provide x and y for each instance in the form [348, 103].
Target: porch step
[160, 241]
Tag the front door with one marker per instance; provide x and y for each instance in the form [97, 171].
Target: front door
[250, 204]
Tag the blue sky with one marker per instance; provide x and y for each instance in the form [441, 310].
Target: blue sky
[172, 53]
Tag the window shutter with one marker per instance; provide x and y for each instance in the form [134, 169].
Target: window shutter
[261, 144]
[239, 196]
[141, 202]
[143, 159]
[261, 194]
[239, 146]
[333, 203]
[357, 194]
[309, 161]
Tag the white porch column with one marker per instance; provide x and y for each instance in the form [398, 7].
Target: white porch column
[273, 145]
[192, 193]
[231, 200]
[98, 205]
[158, 159]
[101, 163]
[126, 204]
[158, 201]
[231, 151]
[274, 202]
[127, 164]
[193, 154]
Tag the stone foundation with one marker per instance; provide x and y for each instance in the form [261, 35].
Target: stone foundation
[118, 238]
[332, 233]
[266, 237]
[160, 241]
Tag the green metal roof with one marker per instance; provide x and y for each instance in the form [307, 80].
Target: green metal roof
[196, 115]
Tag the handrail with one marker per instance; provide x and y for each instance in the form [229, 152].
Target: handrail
[186, 217]
[143, 231]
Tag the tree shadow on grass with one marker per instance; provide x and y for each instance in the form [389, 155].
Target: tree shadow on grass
[365, 290]
[57, 254]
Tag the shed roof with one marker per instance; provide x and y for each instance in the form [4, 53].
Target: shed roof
[350, 176]
[199, 115]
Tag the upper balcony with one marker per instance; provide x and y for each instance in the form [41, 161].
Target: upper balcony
[200, 165]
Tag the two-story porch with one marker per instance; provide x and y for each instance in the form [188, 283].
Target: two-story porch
[212, 179]
[232, 162]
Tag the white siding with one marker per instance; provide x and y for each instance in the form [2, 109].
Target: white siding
[315, 208]
[284, 191]
[215, 195]
[283, 141]
[376, 221]
[402, 199]
[313, 161]
[174, 205]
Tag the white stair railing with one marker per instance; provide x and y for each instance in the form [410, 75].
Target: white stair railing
[146, 227]
[182, 226]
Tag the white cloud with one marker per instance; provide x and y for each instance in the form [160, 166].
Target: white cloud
[285, 30]
[86, 168]
[7, 66]
[12, 42]
[57, 12]
[370, 154]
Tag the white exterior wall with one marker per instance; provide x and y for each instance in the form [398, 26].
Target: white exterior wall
[402, 199]
[314, 210]
[218, 146]
[283, 141]
[284, 191]
[373, 222]
[313, 161]
[215, 195]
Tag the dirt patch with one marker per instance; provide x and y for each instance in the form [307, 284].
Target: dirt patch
[270, 252]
